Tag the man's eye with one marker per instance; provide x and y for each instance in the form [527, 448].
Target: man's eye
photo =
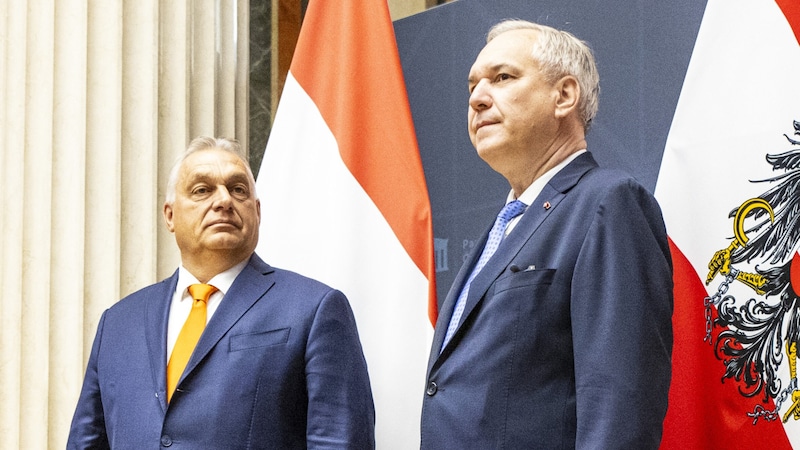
[200, 190]
[240, 191]
[503, 77]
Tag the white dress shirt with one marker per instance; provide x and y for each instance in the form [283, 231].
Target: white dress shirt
[536, 187]
[182, 302]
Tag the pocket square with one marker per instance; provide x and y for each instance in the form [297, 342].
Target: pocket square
[515, 268]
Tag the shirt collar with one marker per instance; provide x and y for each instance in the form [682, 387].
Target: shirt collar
[533, 191]
[221, 281]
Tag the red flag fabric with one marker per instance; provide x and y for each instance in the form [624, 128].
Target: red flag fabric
[344, 198]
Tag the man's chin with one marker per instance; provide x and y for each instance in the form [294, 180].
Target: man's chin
[224, 241]
[229, 242]
[486, 151]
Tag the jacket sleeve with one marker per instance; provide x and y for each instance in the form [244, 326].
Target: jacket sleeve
[622, 304]
[340, 407]
[88, 430]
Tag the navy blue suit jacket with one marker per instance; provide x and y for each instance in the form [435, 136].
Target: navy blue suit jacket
[566, 337]
[279, 365]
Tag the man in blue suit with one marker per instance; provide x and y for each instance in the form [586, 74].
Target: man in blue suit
[557, 330]
[278, 364]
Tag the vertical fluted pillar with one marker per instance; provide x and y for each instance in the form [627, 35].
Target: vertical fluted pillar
[12, 162]
[96, 100]
[67, 227]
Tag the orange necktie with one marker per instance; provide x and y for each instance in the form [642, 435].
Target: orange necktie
[189, 335]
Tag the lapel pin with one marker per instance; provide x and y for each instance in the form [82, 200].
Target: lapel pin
[546, 205]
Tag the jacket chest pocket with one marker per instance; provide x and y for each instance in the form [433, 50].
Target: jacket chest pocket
[523, 279]
[262, 339]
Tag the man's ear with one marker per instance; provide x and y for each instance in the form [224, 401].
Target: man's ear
[569, 93]
[168, 217]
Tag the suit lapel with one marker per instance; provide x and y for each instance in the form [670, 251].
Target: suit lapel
[248, 288]
[446, 308]
[552, 194]
[156, 319]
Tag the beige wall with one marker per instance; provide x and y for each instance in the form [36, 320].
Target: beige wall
[404, 8]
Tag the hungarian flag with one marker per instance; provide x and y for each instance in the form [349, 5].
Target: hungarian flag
[344, 198]
[729, 186]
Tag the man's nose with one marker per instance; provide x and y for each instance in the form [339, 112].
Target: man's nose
[479, 98]
[222, 197]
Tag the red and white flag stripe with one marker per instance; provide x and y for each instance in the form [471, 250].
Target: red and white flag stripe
[344, 198]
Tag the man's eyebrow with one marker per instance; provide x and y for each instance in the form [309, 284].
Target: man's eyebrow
[502, 66]
[494, 68]
[239, 177]
[200, 176]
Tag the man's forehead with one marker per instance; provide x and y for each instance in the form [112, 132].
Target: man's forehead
[510, 50]
[508, 44]
[208, 161]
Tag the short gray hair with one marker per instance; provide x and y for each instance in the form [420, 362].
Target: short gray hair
[560, 53]
[204, 143]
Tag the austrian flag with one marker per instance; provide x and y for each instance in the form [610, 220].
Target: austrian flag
[729, 186]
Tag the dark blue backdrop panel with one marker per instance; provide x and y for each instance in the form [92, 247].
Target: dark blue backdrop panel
[642, 49]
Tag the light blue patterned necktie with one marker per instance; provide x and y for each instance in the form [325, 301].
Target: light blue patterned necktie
[511, 210]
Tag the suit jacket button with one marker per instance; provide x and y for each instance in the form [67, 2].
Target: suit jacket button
[166, 441]
[432, 388]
